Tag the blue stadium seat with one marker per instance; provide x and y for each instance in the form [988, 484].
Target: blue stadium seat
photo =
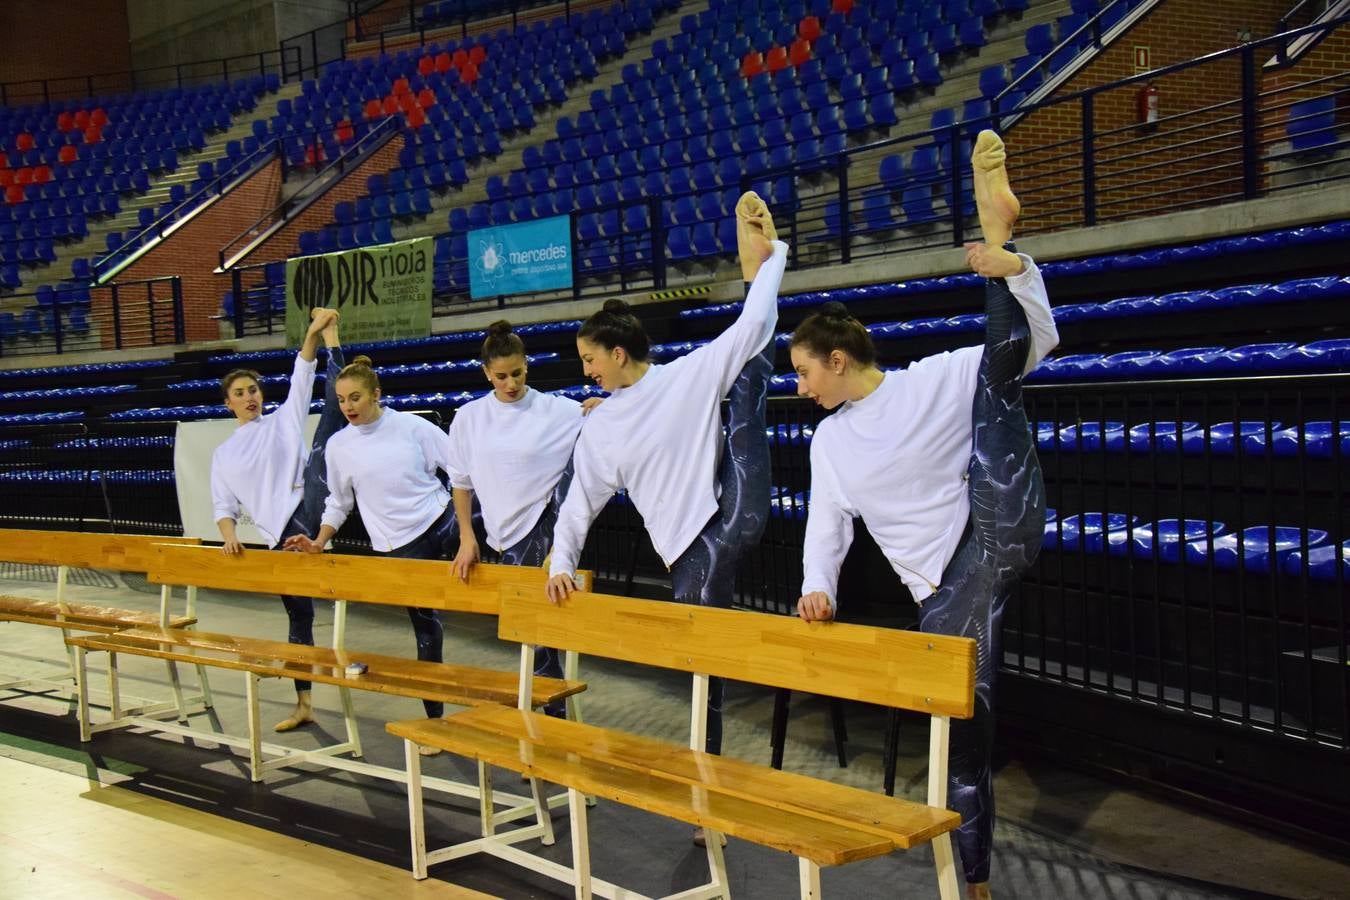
[1257, 547]
[1321, 563]
[1166, 537]
[1088, 531]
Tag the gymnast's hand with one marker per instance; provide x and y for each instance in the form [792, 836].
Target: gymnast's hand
[589, 404]
[465, 558]
[559, 587]
[815, 607]
[302, 543]
[232, 547]
[993, 262]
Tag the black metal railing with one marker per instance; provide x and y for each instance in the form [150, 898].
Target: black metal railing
[115, 316]
[187, 74]
[107, 265]
[326, 176]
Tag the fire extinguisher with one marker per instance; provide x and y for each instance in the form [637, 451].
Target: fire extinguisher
[1148, 105]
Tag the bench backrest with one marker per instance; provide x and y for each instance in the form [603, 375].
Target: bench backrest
[82, 549]
[933, 674]
[365, 579]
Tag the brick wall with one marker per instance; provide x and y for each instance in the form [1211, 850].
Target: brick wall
[68, 40]
[286, 241]
[1198, 163]
[1324, 68]
[193, 253]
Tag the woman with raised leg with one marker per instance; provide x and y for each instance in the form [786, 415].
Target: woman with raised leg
[265, 469]
[939, 462]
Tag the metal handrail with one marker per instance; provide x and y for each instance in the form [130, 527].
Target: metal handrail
[261, 57]
[108, 264]
[1093, 24]
[353, 156]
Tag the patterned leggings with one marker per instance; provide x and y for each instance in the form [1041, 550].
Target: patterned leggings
[305, 519]
[531, 551]
[705, 573]
[1007, 514]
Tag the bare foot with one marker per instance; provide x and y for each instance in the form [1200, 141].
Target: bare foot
[754, 233]
[997, 205]
[303, 715]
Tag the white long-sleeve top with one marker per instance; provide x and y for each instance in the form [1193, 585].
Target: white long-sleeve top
[260, 468]
[660, 438]
[388, 467]
[512, 455]
[898, 458]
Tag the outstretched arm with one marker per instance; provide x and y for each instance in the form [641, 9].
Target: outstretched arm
[829, 532]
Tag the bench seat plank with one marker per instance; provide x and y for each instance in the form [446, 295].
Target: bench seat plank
[80, 616]
[448, 683]
[828, 824]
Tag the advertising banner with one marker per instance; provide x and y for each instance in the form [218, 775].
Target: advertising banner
[383, 293]
[523, 258]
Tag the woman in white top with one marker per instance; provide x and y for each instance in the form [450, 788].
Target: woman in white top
[702, 495]
[386, 461]
[263, 469]
[939, 462]
[513, 453]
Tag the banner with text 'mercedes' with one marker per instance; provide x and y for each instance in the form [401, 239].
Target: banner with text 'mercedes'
[383, 293]
[521, 258]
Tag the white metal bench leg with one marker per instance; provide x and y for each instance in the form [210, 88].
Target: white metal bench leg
[349, 716]
[571, 665]
[416, 824]
[114, 687]
[176, 684]
[191, 612]
[541, 811]
[809, 876]
[82, 691]
[948, 889]
[581, 844]
[488, 823]
[254, 727]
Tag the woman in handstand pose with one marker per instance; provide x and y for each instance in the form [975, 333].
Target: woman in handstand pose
[938, 461]
[264, 468]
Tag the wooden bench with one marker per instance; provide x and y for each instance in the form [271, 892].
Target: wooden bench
[68, 550]
[822, 823]
[367, 579]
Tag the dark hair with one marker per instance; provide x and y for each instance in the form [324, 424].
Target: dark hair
[616, 326]
[234, 375]
[833, 328]
[360, 369]
[501, 341]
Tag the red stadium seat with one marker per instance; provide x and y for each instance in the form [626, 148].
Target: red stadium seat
[426, 98]
[343, 131]
[752, 64]
[843, 7]
[93, 134]
[443, 63]
[68, 154]
[13, 194]
[82, 119]
[390, 105]
[23, 176]
[416, 118]
[401, 87]
[800, 51]
[23, 141]
[469, 74]
[461, 58]
[98, 117]
[6, 178]
[65, 121]
[777, 60]
[42, 175]
[809, 28]
[425, 66]
[477, 55]
[373, 109]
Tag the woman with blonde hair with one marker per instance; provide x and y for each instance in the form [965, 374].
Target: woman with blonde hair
[385, 462]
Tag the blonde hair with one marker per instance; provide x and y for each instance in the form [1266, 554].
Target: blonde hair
[361, 371]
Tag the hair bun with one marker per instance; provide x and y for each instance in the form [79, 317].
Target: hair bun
[499, 328]
[618, 307]
[835, 310]
[363, 360]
